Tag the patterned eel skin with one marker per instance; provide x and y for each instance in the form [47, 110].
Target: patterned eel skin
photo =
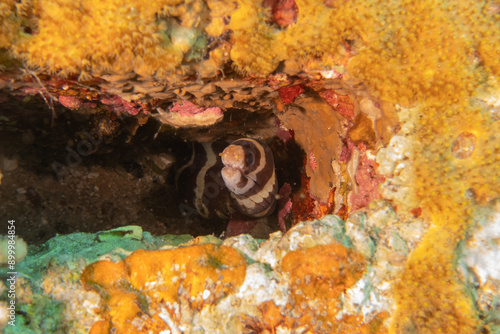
[220, 179]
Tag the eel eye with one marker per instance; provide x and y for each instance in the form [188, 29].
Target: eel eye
[249, 159]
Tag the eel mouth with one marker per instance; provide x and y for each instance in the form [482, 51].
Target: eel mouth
[231, 173]
[235, 172]
[232, 177]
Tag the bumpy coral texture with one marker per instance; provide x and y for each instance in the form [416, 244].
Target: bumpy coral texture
[436, 55]
[190, 278]
[404, 50]
[317, 277]
[447, 186]
[90, 37]
[8, 24]
[433, 54]
[319, 32]
[401, 48]
[154, 291]
[313, 131]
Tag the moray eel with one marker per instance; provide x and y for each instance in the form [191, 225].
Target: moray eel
[220, 179]
[250, 176]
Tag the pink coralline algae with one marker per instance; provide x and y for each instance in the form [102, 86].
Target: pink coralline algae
[285, 205]
[187, 114]
[368, 180]
[345, 154]
[312, 161]
[340, 103]
[70, 102]
[284, 12]
[121, 106]
[186, 108]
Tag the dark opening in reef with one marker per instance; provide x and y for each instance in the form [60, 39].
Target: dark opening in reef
[93, 171]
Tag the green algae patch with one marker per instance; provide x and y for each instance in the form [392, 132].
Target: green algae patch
[87, 247]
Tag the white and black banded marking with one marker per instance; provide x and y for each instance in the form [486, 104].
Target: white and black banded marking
[200, 183]
[219, 179]
[250, 175]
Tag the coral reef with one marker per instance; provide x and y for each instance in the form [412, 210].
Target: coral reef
[187, 278]
[317, 138]
[380, 41]
[325, 125]
[150, 39]
[258, 47]
[122, 38]
[49, 295]
[344, 72]
[298, 281]
[185, 114]
[231, 287]
[445, 197]
[8, 24]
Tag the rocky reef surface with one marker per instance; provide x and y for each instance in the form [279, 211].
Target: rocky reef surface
[320, 276]
[384, 121]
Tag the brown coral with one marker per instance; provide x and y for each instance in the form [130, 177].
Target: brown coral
[316, 128]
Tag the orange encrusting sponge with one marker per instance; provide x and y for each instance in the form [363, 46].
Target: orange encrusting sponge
[148, 286]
